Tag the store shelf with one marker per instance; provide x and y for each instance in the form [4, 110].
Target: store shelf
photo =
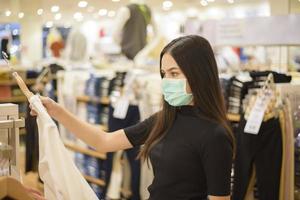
[94, 180]
[87, 99]
[17, 99]
[13, 82]
[233, 117]
[86, 151]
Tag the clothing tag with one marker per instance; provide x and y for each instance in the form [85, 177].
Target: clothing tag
[121, 108]
[257, 113]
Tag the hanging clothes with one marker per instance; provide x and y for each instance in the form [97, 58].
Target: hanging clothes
[134, 32]
[62, 180]
[288, 160]
[132, 117]
[264, 151]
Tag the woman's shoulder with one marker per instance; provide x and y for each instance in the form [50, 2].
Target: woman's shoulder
[210, 131]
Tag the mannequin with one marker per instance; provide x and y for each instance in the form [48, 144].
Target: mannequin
[53, 37]
[138, 53]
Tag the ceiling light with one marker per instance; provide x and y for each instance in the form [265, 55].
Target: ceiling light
[7, 13]
[167, 5]
[203, 3]
[115, 0]
[21, 15]
[57, 16]
[82, 4]
[78, 16]
[49, 24]
[102, 12]
[54, 9]
[40, 11]
[230, 1]
[111, 13]
[210, 0]
[15, 32]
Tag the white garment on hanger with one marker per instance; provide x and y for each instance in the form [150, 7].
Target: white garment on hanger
[115, 183]
[62, 180]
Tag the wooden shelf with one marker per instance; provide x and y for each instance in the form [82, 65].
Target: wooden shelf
[30, 81]
[94, 180]
[87, 99]
[86, 151]
[233, 117]
[17, 99]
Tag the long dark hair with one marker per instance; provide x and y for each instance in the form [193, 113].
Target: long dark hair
[195, 57]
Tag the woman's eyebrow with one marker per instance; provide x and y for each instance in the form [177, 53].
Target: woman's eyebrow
[172, 68]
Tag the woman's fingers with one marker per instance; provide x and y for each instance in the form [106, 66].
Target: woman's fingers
[35, 194]
[32, 112]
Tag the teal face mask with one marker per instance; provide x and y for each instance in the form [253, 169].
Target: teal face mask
[174, 91]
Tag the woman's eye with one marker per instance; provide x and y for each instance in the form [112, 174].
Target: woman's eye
[174, 74]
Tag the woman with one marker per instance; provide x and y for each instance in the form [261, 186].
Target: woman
[189, 142]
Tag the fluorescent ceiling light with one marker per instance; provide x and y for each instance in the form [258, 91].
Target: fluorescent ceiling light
[49, 24]
[78, 16]
[102, 12]
[111, 13]
[82, 4]
[7, 13]
[57, 16]
[54, 9]
[40, 11]
[203, 3]
[21, 15]
[167, 5]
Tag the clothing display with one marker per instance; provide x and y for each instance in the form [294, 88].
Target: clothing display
[135, 30]
[4, 47]
[287, 177]
[119, 130]
[263, 152]
[114, 124]
[61, 178]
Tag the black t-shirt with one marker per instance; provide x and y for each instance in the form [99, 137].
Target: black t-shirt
[191, 161]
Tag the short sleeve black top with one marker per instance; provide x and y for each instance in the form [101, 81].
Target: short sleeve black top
[193, 160]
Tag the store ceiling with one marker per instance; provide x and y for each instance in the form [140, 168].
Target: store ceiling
[72, 5]
[10, 9]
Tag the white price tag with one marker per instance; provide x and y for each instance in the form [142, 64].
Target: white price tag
[121, 108]
[257, 113]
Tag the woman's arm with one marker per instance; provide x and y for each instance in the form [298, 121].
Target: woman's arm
[90, 134]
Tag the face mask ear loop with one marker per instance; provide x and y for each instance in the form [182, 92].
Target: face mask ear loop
[185, 86]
